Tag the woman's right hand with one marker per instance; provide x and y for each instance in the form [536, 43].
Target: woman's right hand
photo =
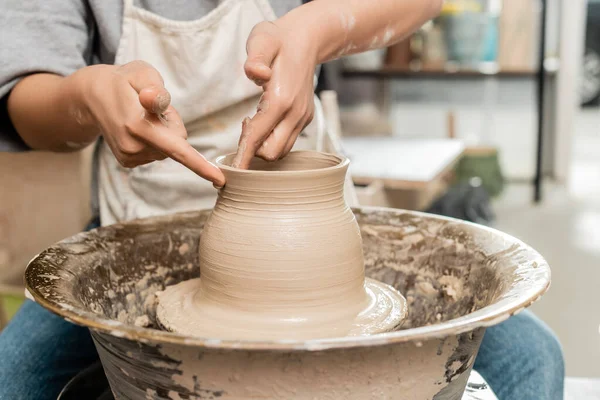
[131, 107]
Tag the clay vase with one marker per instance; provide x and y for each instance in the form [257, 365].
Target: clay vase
[281, 258]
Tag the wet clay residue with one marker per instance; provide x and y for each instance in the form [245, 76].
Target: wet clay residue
[104, 280]
[116, 272]
[438, 267]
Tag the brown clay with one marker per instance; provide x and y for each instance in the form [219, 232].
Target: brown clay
[281, 258]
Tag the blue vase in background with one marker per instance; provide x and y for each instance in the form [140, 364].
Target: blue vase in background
[490, 45]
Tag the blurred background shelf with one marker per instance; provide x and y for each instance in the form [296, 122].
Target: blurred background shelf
[475, 43]
[444, 73]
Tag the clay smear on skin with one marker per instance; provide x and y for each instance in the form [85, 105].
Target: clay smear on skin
[381, 40]
[388, 35]
[281, 258]
[263, 105]
[246, 131]
[347, 22]
[161, 103]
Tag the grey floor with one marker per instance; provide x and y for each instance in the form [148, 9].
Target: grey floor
[565, 229]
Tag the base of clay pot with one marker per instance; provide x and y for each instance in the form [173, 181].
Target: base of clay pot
[183, 309]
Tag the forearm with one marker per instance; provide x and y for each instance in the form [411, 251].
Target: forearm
[47, 112]
[342, 27]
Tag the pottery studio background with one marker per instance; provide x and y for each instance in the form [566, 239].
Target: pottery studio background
[461, 119]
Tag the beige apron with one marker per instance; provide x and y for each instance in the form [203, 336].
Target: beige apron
[201, 63]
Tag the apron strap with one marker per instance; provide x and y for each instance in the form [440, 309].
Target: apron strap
[330, 141]
[321, 126]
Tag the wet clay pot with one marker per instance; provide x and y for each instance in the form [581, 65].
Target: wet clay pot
[281, 258]
[458, 279]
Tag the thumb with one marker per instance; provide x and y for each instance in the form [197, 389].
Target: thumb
[262, 48]
[155, 99]
[149, 84]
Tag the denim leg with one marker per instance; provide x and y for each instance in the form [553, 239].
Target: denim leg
[522, 360]
[40, 352]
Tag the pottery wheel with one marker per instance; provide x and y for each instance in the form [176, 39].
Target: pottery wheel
[182, 308]
[91, 383]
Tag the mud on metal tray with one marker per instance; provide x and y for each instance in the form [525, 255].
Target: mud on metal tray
[91, 384]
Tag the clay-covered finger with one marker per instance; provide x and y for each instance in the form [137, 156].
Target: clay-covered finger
[170, 119]
[149, 84]
[254, 133]
[273, 147]
[168, 138]
[181, 151]
[304, 122]
[292, 139]
[155, 99]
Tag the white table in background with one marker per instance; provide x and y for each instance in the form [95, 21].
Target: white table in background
[411, 172]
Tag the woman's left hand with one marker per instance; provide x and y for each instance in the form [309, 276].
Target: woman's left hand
[283, 63]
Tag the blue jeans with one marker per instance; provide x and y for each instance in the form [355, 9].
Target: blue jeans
[39, 352]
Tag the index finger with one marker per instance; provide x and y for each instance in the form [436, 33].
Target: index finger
[177, 148]
[181, 151]
[255, 131]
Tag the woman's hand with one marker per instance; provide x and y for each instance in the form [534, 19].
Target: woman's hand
[282, 56]
[283, 63]
[131, 107]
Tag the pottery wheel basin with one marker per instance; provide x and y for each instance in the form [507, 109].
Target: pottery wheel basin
[458, 278]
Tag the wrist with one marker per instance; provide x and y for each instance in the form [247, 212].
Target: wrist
[80, 88]
[319, 26]
[301, 30]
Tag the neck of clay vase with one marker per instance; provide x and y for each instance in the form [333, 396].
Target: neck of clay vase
[267, 191]
[281, 197]
[284, 241]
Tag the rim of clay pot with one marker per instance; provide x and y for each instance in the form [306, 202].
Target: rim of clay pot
[341, 163]
[534, 271]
